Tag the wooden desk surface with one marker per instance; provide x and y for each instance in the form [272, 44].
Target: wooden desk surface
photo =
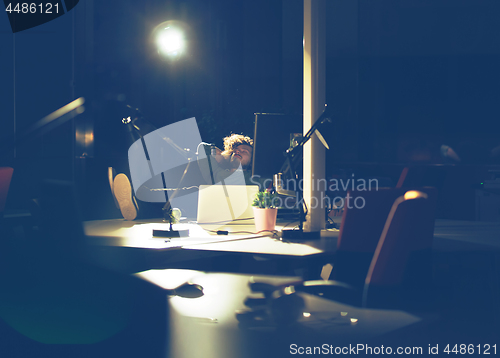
[130, 246]
[211, 319]
[139, 234]
[449, 235]
[457, 235]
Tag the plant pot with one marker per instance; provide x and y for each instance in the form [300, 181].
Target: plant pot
[265, 218]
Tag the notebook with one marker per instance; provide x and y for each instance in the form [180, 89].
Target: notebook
[225, 203]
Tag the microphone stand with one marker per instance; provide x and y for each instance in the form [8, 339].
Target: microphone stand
[290, 153]
[167, 208]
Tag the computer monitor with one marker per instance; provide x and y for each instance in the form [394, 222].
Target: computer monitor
[272, 137]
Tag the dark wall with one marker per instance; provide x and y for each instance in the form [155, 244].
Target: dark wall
[403, 78]
[427, 76]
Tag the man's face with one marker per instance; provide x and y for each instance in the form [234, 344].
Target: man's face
[243, 154]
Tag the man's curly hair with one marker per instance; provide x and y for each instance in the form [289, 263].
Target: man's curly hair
[235, 140]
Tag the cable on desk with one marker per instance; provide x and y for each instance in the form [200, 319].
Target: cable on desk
[224, 232]
[223, 221]
[172, 189]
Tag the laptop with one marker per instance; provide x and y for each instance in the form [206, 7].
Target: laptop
[220, 204]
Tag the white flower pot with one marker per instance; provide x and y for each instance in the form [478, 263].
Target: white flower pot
[265, 218]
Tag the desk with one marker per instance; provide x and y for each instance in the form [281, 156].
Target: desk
[138, 234]
[119, 242]
[469, 293]
[449, 235]
[211, 322]
[455, 235]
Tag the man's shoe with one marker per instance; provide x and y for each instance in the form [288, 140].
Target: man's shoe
[122, 191]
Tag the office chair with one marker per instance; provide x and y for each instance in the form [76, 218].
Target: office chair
[402, 177]
[401, 268]
[399, 273]
[5, 178]
[361, 228]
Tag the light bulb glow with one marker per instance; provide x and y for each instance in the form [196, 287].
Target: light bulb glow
[170, 41]
[414, 194]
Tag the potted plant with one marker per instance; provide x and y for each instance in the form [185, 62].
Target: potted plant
[265, 210]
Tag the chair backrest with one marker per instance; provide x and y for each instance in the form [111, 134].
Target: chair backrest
[402, 258]
[5, 178]
[402, 177]
[365, 215]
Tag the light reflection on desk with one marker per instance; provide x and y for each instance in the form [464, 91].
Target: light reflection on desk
[207, 326]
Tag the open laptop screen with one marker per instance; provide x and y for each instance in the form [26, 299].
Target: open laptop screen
[221, 204]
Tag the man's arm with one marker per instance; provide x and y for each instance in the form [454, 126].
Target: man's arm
[212, 166]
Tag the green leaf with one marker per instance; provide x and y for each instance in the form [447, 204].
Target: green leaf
[265, 199]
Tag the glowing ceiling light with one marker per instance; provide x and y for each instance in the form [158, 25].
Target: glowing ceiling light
[170, 41]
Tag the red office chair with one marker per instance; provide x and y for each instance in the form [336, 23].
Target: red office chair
[401, 267]
[5, 178]
[398, 276]
[365, 213]
[361, 228]
[402, 177]
[399, 273]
